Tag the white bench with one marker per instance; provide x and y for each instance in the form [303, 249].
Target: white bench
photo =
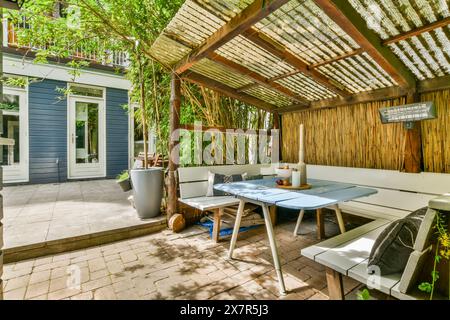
[398, 195]
[193, 182]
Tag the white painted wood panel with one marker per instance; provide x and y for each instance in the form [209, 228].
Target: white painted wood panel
[328, 244]
[201, 173]
[193, 189]
[398, 199]
[383, 284]
[349, 254]
[372, 211]
[395, 292]
[209, 203]
[434, 183]
[425, 182]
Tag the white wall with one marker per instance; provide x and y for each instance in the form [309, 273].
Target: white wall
[13, 64]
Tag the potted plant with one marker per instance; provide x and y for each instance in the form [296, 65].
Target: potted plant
[123, 180]
[147, 182]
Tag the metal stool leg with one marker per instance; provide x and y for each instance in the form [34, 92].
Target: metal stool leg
[237, 225]
[299, 221]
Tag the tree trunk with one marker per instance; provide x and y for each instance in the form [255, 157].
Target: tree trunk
[143, 113]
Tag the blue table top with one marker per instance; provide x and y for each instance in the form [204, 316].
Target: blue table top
[322, 194]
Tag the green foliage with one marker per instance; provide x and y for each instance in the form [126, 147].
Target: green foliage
[425, 287]
[101, 27]
[363, 295]
[442, 250]
[124, 175]
[18, 82]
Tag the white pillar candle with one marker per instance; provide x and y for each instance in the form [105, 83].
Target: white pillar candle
[301, 146]
[295, 179]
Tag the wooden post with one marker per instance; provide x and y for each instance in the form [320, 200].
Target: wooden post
[413, 158]
[216, 226]
[335, 286]
[276, 125]
[320, 224]
[175, 103]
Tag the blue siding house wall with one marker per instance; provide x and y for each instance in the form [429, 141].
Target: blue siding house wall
[48, 157]
[47, 132]
[116, 132]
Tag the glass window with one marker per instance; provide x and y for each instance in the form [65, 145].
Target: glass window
[85, 91]
[10, 128]
[86, 128]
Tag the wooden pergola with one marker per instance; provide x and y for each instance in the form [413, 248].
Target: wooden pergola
[294, 55]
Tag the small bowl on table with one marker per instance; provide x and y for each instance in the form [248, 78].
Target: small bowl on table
[284, 173]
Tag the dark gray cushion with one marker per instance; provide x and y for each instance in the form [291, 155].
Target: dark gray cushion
[392, 249]
[256, 177]
[222, 178]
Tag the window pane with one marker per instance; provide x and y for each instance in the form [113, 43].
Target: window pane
[9, 128]
[88, 92]
[86, 128]
[10, 102]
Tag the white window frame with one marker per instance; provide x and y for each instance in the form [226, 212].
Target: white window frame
[19, 173]
[102, 129]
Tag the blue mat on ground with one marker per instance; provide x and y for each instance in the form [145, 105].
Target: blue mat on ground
[225, 232]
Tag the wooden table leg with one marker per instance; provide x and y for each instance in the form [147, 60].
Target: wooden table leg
[216, 225]
[335, 286]
[320, 224]
[273, 214]
[339, 218]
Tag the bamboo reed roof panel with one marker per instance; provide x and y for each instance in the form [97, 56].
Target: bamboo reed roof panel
[168, 51]
[335, 64]
[253, 57]
[427, 55]
[307, 32]
[219, 73]
[306, 87]
[269, 96]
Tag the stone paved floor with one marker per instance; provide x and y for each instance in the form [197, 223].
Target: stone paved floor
[175, 266]
[39, 213]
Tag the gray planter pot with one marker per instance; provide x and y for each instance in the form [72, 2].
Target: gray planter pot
[147, 191]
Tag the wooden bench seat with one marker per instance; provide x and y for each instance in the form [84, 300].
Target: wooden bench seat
[193, 182]
[210, 203]
[398, 195]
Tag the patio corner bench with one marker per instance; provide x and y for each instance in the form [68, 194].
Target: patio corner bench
[193, 183]
[398, 195]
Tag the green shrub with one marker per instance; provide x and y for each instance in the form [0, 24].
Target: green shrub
[123, 176]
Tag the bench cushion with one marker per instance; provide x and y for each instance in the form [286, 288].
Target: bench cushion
[210, 203]
[393, 247]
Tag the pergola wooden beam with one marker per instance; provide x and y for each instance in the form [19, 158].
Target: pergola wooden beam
[227, 91]
[440, 83]
[279, 51]
[418, 31]
[362, 97]
[349, 20]
[255, 12]
[259, 79]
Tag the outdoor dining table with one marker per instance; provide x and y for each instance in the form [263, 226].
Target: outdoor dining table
[265, 193]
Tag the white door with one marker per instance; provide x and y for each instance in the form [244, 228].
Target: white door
[14, 125]
[86, 134]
